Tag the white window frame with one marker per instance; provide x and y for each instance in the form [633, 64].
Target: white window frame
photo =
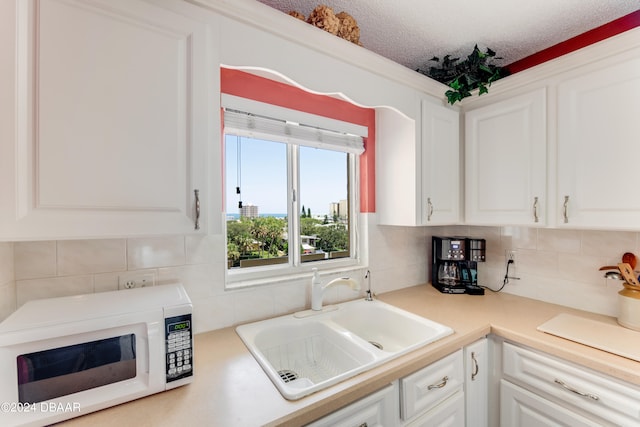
[254, 276]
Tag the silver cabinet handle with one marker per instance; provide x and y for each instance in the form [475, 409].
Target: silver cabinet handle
[565, 209]
[429, 209]
[535, 209]
[476, 367]
[573, 390]
[197, 195]
[440, 384]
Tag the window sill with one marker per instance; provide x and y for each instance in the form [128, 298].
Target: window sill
[272, 277]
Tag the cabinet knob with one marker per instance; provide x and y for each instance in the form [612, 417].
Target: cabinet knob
[565, 210]
[429, 208]
[535, 209]
[573, 390]
[197, 222]
[440, 384]
[476, 367]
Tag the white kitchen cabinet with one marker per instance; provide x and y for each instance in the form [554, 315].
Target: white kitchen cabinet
[449, 413]
[378, 409]
[597, 147]
[585, 394]
[505, 161]
[417, 166]
[440, 165]
[476, 383]
[424, 391]
[519, 407]
[112, 114]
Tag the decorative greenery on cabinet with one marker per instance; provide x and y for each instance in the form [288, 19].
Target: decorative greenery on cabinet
[474, 72]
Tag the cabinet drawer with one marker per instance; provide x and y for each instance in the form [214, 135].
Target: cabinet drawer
[429, 386]
[449, 413]
[594, 393]
[379, 409]
[519, 407]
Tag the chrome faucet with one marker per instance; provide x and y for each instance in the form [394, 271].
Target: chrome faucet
[368, 294]
[317, 288]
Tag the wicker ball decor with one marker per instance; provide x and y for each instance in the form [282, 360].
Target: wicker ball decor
[297, 15]
[323, 17]
[342, 24]
[349, 29]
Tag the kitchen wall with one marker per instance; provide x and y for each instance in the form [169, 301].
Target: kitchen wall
[7, 283]
[559, 266]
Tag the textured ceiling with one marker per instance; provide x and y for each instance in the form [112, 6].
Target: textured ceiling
[410, 32]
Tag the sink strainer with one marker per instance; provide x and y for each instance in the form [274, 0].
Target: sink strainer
[287, 375]
[376, 344]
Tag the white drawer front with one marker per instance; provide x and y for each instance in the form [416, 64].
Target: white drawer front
[519, 407]
[449, 413]
[597, 394]
[376, 410]
[426, 387]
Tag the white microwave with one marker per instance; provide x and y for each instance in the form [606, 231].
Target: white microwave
[65, 357]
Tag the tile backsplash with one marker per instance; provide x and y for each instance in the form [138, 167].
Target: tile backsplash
[559, 266]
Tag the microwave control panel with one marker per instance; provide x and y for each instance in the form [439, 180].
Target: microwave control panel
[179, 347]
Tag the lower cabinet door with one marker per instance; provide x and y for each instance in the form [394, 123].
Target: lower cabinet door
[379, 409]
[449, 413]
[476, 382]
[521, 408]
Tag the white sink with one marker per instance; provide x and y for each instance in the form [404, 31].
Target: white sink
[387, 327]
[304, 355]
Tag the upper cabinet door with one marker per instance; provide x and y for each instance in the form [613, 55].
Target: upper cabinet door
[440, 165]
[418, 166]
[599, 148]
[505, 162]
[112, 117]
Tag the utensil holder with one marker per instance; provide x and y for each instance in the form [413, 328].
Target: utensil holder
[629, 308]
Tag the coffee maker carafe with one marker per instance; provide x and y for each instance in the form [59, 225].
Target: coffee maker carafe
[455, 264]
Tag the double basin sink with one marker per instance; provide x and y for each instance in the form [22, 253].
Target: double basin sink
[305, 352]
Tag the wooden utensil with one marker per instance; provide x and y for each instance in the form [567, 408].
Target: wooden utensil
[632, 287]
[608, 267]
[630, 259]
[628, 274]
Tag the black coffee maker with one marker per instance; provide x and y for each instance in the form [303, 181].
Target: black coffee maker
[454, 268]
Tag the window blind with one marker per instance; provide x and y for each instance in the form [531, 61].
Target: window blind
[258, 126]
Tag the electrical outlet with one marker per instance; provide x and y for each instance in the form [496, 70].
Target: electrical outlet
[510, 263]
[136, 280]
[509, 255]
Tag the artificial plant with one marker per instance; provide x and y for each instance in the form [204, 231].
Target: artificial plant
[474, 72]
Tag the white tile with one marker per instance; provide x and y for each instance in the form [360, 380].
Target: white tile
[565, 241]
[537, 262]
[198, 280]
[106, 282]
[213, 313]
[7, 300]
[7, 273]
[519, 238]
[155, 252]
[91, 256]
[254, 304]
[579, 268]
[27, 290]
[205, 249]
[34, 260]
[608, 243]
[290, 298]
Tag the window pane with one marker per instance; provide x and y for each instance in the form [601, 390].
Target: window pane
[324, 213]
[256, 202]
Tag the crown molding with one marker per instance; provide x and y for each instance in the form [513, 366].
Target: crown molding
[275, 22]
